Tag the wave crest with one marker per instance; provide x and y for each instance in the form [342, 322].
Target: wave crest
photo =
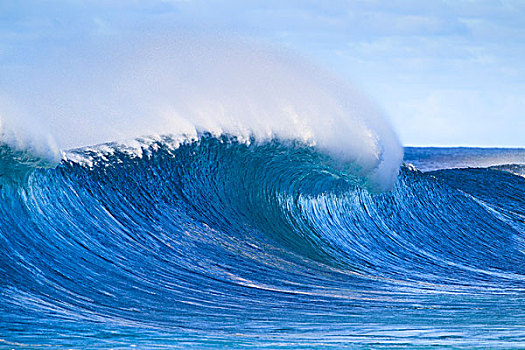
[111, 91]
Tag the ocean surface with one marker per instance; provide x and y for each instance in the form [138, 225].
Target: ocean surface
[225, 243]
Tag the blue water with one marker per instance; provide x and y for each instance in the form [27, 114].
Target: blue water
[219, 243]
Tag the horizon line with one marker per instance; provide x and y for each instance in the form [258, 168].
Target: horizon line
[461, 146]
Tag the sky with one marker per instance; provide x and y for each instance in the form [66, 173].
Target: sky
[446, 73]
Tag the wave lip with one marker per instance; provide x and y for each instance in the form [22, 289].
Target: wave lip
[111, 91]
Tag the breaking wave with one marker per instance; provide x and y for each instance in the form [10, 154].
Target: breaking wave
[218, 241]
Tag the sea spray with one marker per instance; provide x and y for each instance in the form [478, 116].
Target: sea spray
[127, 87]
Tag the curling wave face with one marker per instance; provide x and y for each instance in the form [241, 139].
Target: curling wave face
[219, 241]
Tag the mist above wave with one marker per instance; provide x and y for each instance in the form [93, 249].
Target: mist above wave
[121, 88]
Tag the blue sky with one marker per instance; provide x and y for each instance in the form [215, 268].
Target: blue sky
[445, 72]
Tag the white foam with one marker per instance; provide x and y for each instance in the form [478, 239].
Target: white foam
[29, 142]
[126, 88]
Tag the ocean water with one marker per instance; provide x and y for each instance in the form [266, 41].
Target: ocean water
[266, 205]
[221, 242]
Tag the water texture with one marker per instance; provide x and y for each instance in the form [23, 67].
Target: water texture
[221, 242]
